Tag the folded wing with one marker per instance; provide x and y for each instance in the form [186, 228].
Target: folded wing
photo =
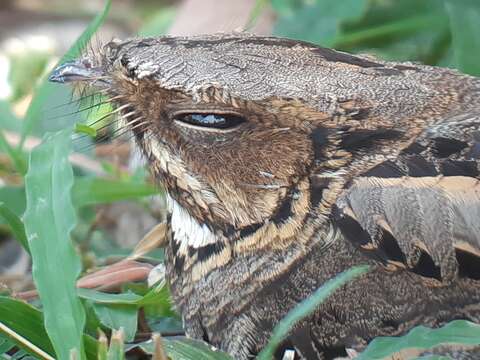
[421, 211]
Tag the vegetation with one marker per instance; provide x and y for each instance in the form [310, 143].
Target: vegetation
[48, 205]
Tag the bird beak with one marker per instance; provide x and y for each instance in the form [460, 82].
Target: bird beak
[73, 71]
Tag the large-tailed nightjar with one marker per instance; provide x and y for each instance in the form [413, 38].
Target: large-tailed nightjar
[285, 164]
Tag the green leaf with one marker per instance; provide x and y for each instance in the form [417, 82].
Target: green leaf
[156, 295]
[102, 347]
[128, 298]
[16, 225]
[186, 349]
[192, 349]
[46, 89]
[49, 219]
[89, 191]
[316, 21]
[86, 191]
[85, 129]
[26, 321]
[17, 156]
[116, 317]
[464, 19]
[456, 332]
[91, 347]
[115, 351]
[306, 307]
[5, 345]
[165, 325]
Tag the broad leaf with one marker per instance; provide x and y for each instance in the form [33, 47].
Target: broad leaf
[118, 317]
[127, 298]
[456, 332]
[49, 219]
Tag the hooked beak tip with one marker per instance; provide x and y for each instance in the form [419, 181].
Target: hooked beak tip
[69, 72]
[54, 77]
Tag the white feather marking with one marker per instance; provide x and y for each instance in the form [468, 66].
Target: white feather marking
[187, 231]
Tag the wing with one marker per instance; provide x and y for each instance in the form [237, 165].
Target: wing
[421, 211]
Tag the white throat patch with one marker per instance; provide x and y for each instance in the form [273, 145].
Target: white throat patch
[186, 230]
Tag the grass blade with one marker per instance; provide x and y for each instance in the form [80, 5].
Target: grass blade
[102, 347]
[46, 89]
[8, 120]
[32, 349]
[16, 225]
[25, 321]
[24, 343]
[15, 155]
[5, 345]
[90, 191]
[49, 219]
[306, 307]
[115, 351]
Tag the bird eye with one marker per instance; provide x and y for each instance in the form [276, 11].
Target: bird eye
[126, 64]
[210, 121]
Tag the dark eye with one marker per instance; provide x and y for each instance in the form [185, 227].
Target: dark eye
[210, 121]
[125, 63]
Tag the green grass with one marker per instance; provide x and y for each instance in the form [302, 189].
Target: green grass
[50, 208]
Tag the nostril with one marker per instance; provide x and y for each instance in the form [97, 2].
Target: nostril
[87, 64]
[124, 61]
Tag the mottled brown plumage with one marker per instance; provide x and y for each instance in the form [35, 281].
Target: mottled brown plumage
[287, 163]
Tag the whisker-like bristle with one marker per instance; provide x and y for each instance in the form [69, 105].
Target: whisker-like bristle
[138, 125]
[72, 101]
[129, 114]
[81, 110]
[135, 120]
